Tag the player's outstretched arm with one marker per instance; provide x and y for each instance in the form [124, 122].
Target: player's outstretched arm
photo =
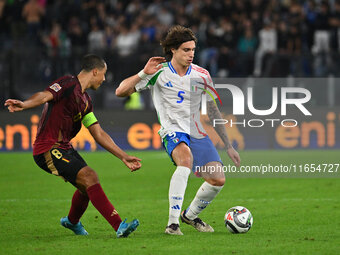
[214, 113]
[127, 86]
[34, 101]
[101, 137]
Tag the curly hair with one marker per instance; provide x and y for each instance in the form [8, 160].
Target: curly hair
[175, 37]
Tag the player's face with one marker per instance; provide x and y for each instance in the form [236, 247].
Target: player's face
[184, 55]
[99, 77]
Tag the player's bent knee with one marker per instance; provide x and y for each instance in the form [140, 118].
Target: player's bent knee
[220, 182]
[87, 177]
[187, 162]
[217, 182]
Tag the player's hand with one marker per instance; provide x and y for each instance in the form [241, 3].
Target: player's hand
[133, 163]
[153, 65]
[14, 105]
[234, 156]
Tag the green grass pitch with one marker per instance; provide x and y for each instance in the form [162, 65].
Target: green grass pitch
[292, 215]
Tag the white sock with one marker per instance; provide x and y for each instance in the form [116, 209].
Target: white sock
[177, 188]
[205, 194]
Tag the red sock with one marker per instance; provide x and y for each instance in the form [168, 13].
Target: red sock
[78, 206]
[103, 205]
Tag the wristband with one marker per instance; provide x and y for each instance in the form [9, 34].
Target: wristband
[142, 75]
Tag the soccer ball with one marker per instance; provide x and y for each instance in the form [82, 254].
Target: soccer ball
[238, 219]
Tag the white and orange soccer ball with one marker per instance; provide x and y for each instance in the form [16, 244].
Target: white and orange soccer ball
[238, 219]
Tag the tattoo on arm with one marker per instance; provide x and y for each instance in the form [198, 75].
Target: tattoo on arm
[214, 113]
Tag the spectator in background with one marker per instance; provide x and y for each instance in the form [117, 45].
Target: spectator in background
[165, 17]
[33, 12]
[109, 37]
[149, 27]
[89, 8]
[256, 21]
[321, 34]
[247, 43]
[267, 45]
[310, 18]
[226, 43]
[334, 23]
[192, 9]
[56, 40]
[126, 44]
[181, 18]
[127, 40]
[78, 39]
[321, 46]
[210, 8]
[294, 45]
[154, 7]
[59, 50]
[283, 35]
[101, 14]
[227, 6]
[96, 38]
[246, 47]
[146, 48]
[240, 12]
[208, 57]
[134, 7]
[283, 57]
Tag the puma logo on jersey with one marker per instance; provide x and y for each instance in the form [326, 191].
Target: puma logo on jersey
[114, 212]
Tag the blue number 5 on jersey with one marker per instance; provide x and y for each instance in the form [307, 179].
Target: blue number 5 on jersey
[180, 96]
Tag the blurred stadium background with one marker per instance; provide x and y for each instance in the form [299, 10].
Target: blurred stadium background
[42, 40]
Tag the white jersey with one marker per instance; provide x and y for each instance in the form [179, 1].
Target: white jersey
[178, 99]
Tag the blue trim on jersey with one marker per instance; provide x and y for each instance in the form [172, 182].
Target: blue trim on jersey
[203, 150]
[171, 67]
[188, 71]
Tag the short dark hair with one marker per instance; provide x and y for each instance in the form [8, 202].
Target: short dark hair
[175, 37]
[92, 61]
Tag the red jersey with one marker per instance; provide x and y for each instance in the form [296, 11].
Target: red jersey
[61, 118]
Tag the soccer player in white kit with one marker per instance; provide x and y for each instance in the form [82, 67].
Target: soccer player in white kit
[177, 87]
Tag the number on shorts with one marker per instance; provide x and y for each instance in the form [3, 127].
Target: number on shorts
[172, 135]
[56, 153]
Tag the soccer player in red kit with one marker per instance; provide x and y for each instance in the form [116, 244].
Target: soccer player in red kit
[67, 105]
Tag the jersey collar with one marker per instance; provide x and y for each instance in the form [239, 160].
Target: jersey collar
[172, 69]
